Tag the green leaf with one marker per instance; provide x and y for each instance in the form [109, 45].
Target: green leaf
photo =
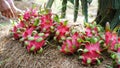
[65, 23]
[40, 50]
[85, 50]
[36, 22]
[22, 39]
[13, 22]
[59, 47]
[73, 31]
[32, 48]
[54, 38]
[88, 61]
[34, 32]
[98, 61]
[101, 41]
[44, 29]
[39, 39]
[56, 18]
[113, 56]
[30, 38]
[69, 38]
[74, 47]
[87, 38]
[57, 32]
[41, 34]
[21, 17]
[80, 57]
[34, 5]
[80, 40]
[116, 28]
[26, 43]
[93, 40]
[63, 38]
[67, 33]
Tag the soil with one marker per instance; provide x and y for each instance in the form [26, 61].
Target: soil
[14, 55]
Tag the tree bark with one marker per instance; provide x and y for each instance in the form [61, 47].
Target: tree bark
[108, 11]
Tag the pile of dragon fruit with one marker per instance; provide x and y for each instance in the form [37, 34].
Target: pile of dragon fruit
[36, 26]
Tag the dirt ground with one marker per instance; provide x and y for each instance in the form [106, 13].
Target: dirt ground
[14, 55]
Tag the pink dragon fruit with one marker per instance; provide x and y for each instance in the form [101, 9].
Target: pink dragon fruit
[113, 41]
[18, 30]
[46, 24]
[62, 31]
[91, 53]
[93, 33]
[36, 42]
[71, 45]
[27, 33]
[34, 46]
[92, 30]
[88, 32]
[30, 13]
[37, 27]
[15, 33]
[111, 38]
[91, 41]
[22, 25]
[108, 34]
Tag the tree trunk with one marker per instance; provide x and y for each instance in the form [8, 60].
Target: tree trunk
[108, 11]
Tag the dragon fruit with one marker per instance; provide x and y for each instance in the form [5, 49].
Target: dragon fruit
[92, 30]
[24, 23]
[30, 13]
[91, 53]
[71, 44]
[62, 31]
[34, 46]
[93, 33]
[33, 29]
[18, 30]
[35, 26]
[114, 41]
[111, 38]
[33, 40]
[88, 32]
[27, 33]
[36, 42]
[108, 34]
[15, 33]
[46, 25]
